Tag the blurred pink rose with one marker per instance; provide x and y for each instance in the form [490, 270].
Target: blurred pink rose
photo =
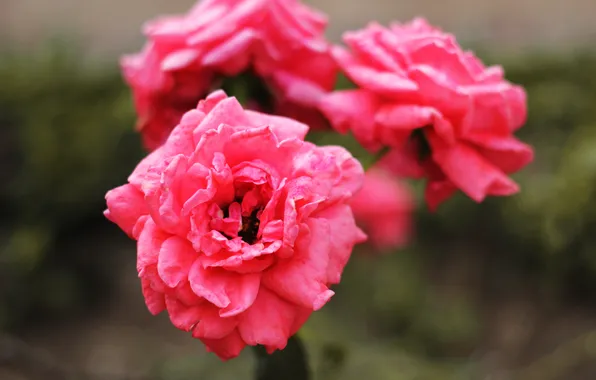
[383, 209]
[280, 41]
[444, 115]
[241, 225]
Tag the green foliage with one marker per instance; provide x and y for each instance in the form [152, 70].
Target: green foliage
[66, 138]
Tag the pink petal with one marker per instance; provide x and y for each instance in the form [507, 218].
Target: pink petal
[443, 54]
[385, 83]
[490, 111]
[472, 173]
[227, 111]
[232, 56]
[299, 90]
[437, 192]
[232, 292]
[344, 235]
[302, 278]
[226, 348]
[155, 301]
[507, 153]
[183, 317]
[352, 110]
[212, 326]
[517, 104]
[398, 122]
[179, 59]
[283, 128]
[383, 208]
[364, 43]
[125, 206]
[149, 244]
[438, 89]
[180, 139]
[175, 259]
[268, 321]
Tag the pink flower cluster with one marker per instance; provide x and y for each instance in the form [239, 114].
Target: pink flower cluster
[241, 225]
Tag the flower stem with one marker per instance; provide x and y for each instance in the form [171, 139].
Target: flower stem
[288, 364]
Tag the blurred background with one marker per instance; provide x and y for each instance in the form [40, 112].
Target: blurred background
[501, 291]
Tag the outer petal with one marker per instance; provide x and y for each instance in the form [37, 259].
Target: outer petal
[282, 127]
[302, 278]
[226, 348]
[227, 111]
[268, 321]
[182, 316]
[472, 173]
[507, 153]
[344, 235]
[212, 326]
[155, 301]
[125, 206]
[437, 192]
[351, 172]
[353, 110]
[149, 244]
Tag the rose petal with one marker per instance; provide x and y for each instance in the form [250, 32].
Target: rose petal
[226, 348]
[176, 256]
[231, 292]
[268, 321]
[125, 206]
[302, 278]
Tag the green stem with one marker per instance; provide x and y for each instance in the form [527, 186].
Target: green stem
[288, 364]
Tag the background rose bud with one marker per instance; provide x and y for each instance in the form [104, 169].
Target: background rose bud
[383, 208]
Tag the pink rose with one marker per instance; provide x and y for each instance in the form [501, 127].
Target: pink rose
[241, 225]
[279, 41]
[444, 115]
[383, 208]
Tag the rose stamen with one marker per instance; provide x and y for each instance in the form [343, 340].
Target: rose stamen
[250, 227]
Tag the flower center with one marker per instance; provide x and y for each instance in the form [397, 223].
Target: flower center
[250, 227]
[421, 144]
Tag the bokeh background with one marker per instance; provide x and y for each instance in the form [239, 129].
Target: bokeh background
[504, 290]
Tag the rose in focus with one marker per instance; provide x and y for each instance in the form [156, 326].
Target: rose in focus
[241, 225]
[443, 114]
[279, 41]
[383, 209]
